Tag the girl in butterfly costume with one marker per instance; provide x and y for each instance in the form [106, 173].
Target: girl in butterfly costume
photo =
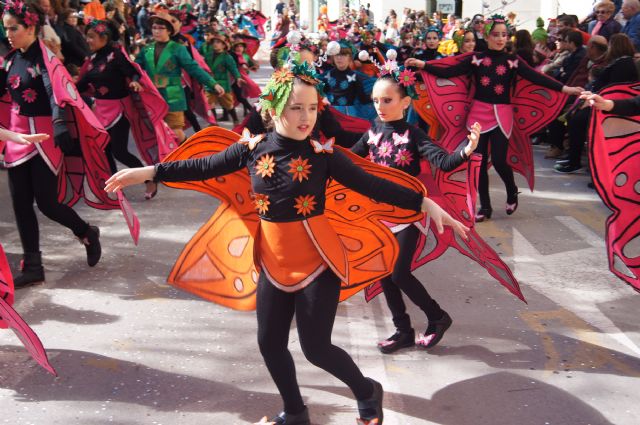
[392, 142]
[496, 75]
[298, 252]
[39, 97]
[123, 94]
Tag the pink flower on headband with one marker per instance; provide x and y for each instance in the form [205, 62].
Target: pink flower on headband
[100, 28]
[389, 67]
[31, 19]
[407, 78]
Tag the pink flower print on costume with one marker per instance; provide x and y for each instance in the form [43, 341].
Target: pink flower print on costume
[383, 163]
[14, 81]
[374, 138]
[102, 67]
[385, 149]
[29, 95]
[487, 61]
[501, 70]
[485, 81]
[499, 89]
[400, 140]
[403, 158]
[103, 90]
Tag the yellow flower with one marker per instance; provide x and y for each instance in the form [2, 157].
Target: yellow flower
[265, 166]
[300, 168]
[305, 204]
[261, 202]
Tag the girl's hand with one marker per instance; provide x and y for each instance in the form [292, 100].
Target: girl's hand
[135, 86]
[414, 62]
[442, 218]
[473, 137]
[128, 177]
[596, 101]
[25, 139]
[572, 91]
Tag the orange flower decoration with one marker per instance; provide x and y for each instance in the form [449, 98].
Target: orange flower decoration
[261, 202]
[300, 168]
[308, 79]
[305, 204]
[282, 76]
[265, 166]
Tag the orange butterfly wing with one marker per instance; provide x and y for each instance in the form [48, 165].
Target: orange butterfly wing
[371, 248]
[217, 263]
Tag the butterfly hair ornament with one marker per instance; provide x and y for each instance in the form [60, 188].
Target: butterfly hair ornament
[492, 21]
[278, 89]
[390, 69]
[20, 10]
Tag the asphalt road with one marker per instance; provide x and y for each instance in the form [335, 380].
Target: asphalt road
[130, 349]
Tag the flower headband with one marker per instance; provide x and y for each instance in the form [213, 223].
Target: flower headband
[21, 11]
[99, 27]
[401, 75]
[434, 29]
[278, 89]
[492, 21]
[458, 36]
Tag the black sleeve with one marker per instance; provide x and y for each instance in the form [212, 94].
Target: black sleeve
[361, 147]
[229, 160]
[3, 81]
[461, 68]
[377, 188]
[627, 107]
[435, 154]
[127, 67]
[330, 127]
[530, 74]
[363, 97]
[57, 113]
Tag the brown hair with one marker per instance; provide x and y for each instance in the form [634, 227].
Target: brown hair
[619, 45]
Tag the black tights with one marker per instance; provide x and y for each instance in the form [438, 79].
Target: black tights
[34, 180]
[499, 146]
[237, 91]
[118, 146]
[315, 310]
[402, 280]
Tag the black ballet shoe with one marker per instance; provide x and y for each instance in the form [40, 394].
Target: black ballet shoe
[370, 410]
[285, 418]
[483, 214]
[435, 331]
[150, 195]
[91, 242]
[512, 203]
[397, 341]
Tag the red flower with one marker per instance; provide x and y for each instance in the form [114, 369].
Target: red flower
[403, 157]
[486, 61]
[300, 168]
[261, 203]
[501, 70]
[305, 204]
[499, 89]
[14, 81]
[407, 78]
[485, 81]
[29, 95]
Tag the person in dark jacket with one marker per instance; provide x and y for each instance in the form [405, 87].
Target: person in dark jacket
[74, 46]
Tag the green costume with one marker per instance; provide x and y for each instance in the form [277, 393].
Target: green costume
[166, 74]
[221, 64]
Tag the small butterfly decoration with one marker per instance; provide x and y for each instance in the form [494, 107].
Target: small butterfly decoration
[269, 96]
[476, 61]
[323, 147]
[351, 78]
[249, 139]
[401, 140]
[110, 56]
[512, 63]
[374, 138]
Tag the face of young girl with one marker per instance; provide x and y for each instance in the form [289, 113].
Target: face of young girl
[341, 61]
[300, 114]
[468, 43]
[19, 36]
[432, 40]
[498, 37]
[94, 41]
[389, 104]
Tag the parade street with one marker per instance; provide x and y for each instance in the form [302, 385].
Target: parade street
[131, 349]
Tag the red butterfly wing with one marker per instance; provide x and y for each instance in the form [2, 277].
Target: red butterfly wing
[614, 148]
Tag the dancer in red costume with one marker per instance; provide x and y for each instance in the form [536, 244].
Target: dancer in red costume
[299, 254]
[495, 74]
[38, 97]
